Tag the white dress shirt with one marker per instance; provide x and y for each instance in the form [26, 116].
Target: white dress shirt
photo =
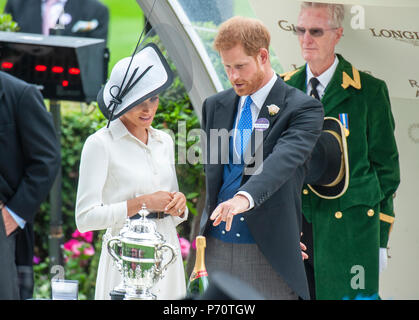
[116, 166]
[324, 78]
[258, 99]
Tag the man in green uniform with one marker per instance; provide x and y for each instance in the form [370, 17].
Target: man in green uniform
[347, 236]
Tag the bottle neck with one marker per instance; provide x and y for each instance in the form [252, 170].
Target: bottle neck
[200, 259]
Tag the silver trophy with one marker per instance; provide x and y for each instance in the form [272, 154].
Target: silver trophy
[138, 252]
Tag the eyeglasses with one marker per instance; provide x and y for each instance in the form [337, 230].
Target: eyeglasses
[314, 32]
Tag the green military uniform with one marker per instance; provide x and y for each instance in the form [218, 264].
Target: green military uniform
[348, 231]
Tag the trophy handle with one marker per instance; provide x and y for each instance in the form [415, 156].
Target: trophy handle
[111, 250]
[173, 255]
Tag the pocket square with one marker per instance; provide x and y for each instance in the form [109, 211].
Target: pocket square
[85, 26]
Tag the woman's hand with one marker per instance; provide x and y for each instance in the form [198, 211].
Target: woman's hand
[158, 201]
[177, 206]
[155, 202]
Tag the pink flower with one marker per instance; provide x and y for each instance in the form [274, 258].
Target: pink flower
[194, 244]
[87, 236]
[89, 250]
[76, 234]
[36, 260]
[185, 247]
[70, 244]
[76, 249]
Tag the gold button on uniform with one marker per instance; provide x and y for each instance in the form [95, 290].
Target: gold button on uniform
[305, 192]
[370, 213]
[338, 215]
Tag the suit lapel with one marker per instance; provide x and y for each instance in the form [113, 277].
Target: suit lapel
[224, 116]
[72, 7]
[225, 111]
[275, 97]
[298, 79]
[36, 17]
[335, 94]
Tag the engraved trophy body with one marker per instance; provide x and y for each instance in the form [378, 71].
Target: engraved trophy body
[138, 252]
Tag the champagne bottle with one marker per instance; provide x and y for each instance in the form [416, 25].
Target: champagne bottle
[198, 281]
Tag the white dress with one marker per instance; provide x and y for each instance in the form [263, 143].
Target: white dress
[115, 167]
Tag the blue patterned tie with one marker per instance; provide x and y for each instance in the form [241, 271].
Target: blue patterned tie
[244, 128]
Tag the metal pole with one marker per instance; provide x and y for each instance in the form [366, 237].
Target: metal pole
[56, 230]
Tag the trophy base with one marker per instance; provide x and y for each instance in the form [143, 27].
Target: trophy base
[140, 295]
[117, 295]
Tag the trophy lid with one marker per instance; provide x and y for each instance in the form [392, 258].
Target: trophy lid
[143, 229]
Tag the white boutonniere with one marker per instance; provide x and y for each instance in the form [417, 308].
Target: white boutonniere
[273, 109]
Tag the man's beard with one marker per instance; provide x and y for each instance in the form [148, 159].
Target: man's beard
[252, 85]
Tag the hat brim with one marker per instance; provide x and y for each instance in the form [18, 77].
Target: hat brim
[106, 109]
[101, 104]
[338, 186]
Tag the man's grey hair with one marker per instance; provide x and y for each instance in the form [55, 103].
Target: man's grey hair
[336, 11]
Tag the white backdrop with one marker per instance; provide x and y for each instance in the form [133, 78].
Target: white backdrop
[388, 48]
[401, 278]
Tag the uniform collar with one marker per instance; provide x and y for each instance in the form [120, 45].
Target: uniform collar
[326, 76]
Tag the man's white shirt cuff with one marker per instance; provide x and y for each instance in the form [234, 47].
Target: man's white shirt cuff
[249, 197]
[21, 223]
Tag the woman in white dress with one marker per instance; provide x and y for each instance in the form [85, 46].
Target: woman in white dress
[128, 164]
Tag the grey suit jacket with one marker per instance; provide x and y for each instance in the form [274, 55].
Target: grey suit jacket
[275, 221]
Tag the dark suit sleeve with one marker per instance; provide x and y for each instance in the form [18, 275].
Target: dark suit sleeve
[291, 150]
[40, 153]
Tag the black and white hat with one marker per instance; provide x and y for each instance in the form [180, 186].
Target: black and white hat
[133, 80]
[328, 172]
